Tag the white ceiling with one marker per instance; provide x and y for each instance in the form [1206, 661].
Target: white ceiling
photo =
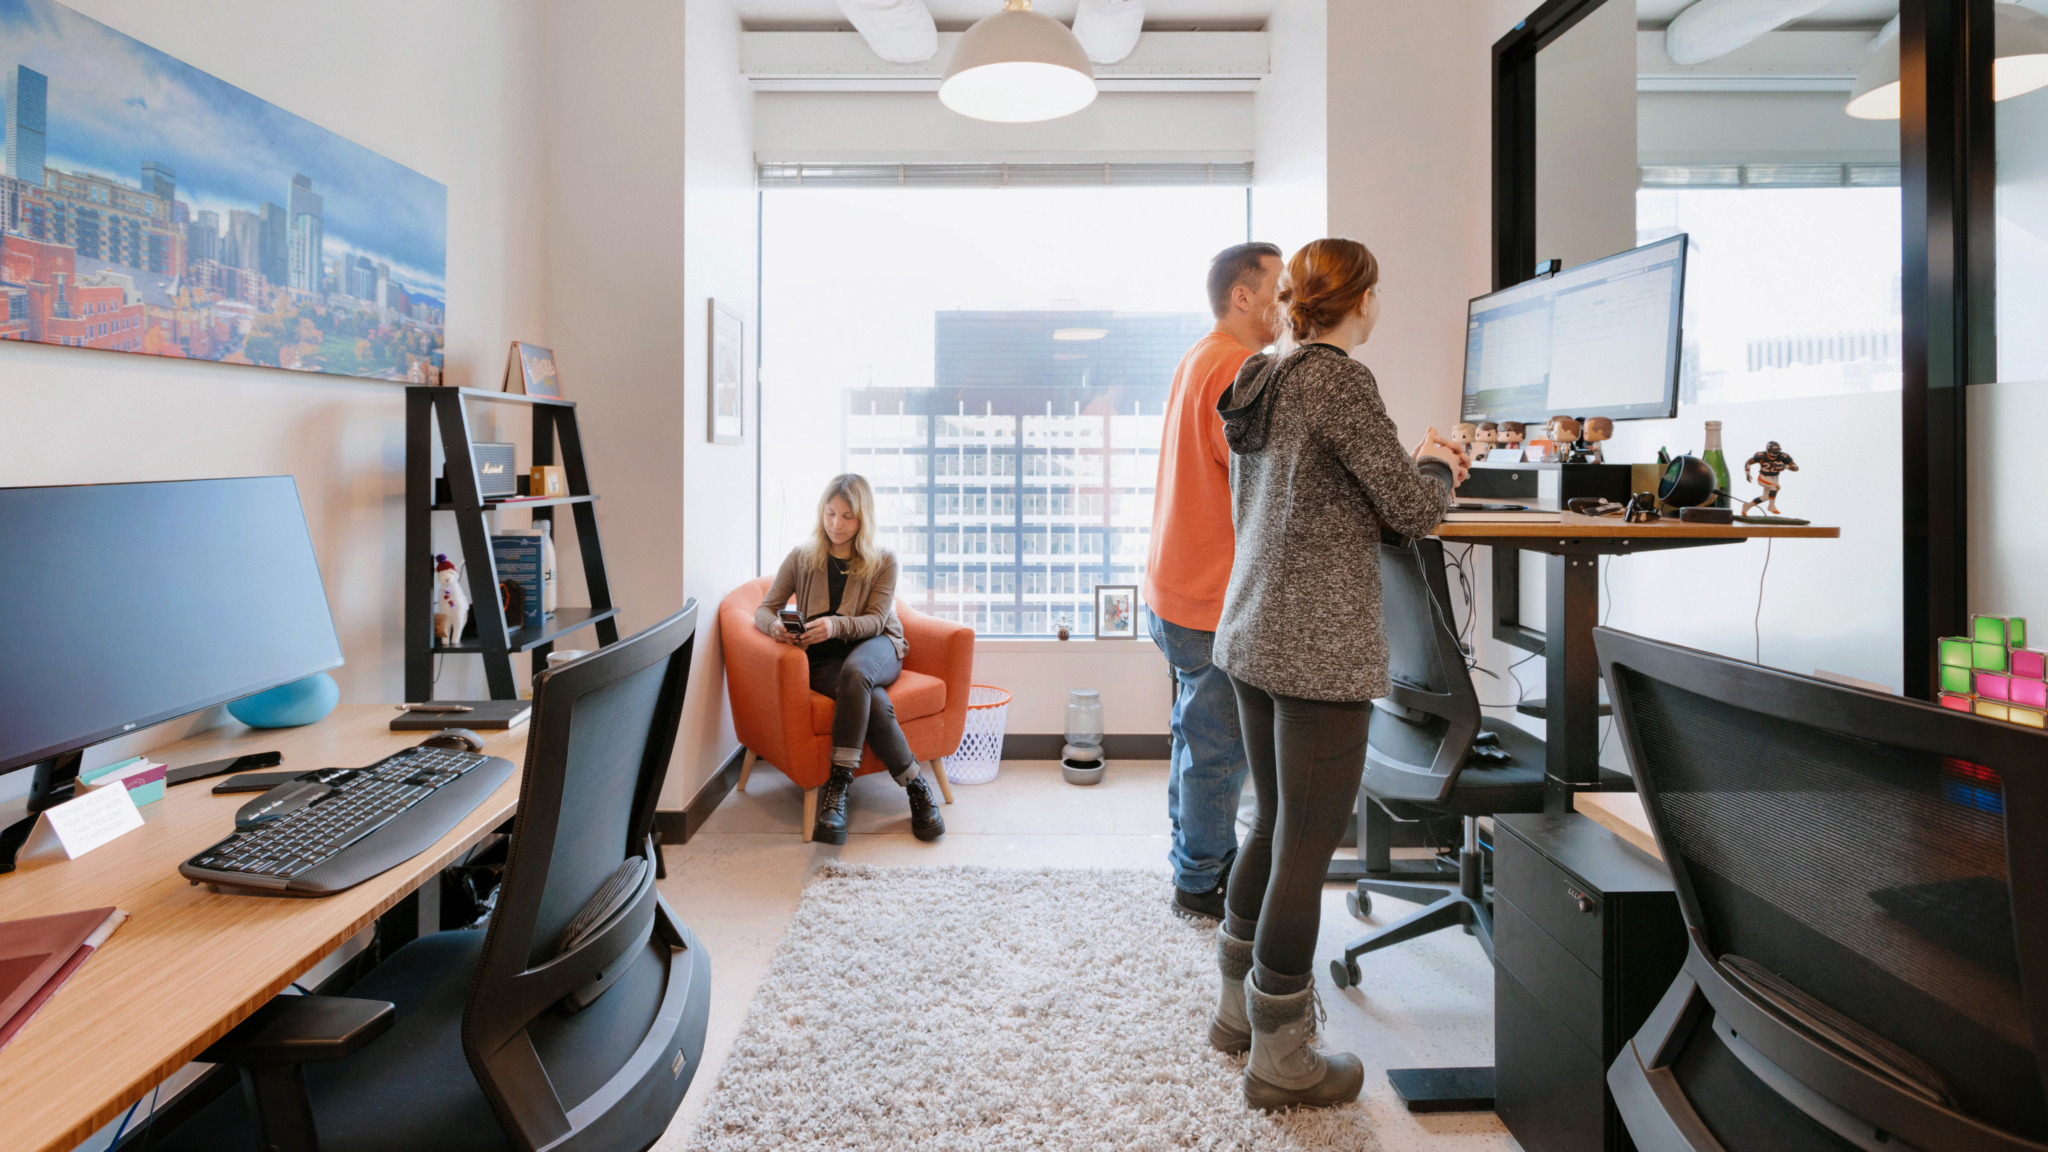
[1839, 14]
[956, 15]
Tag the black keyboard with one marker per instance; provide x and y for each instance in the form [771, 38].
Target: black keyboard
[368, 820]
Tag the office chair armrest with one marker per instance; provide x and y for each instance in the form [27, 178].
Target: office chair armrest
[303, 1030]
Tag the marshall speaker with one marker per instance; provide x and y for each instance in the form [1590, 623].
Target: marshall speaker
[496, 474]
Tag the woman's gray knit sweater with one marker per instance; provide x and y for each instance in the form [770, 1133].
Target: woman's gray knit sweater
[1316, 469]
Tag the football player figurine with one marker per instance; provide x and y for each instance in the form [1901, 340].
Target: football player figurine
[1770, 464]
[1483, 441]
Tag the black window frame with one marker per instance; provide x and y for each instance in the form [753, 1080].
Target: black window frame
[1947, 137]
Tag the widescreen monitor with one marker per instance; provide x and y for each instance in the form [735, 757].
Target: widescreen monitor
[1600, 339]
[132, 604]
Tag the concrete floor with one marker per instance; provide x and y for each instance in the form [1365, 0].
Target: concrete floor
[1426, 1003]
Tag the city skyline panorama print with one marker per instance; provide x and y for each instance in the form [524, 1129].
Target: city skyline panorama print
[152, 208]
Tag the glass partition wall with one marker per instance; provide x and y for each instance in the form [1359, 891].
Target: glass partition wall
[996, 362]
[1792, 314]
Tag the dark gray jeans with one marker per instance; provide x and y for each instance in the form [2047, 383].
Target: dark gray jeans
[862, 712]
[1307, 757]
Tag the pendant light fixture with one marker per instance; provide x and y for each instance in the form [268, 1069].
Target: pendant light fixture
[1018, 66]
[2020, 36]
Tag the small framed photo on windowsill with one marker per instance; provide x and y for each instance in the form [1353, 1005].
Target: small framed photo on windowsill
[1116, 611]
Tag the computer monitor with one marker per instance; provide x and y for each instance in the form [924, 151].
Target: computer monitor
[132, 604]
[1600, 339]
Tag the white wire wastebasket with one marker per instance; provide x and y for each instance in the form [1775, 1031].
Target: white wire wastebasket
[981, 746]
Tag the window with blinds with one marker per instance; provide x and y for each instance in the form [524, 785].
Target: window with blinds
[1236, 174]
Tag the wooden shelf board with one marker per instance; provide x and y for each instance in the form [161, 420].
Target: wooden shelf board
[564, 621]
[489, 396]
[494, 505]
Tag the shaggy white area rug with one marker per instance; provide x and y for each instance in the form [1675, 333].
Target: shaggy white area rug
[990, 1009]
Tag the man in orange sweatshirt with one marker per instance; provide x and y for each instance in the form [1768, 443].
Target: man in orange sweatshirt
[1189, 570]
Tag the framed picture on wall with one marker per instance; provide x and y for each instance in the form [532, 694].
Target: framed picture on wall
[727, 376]
[1116, 611]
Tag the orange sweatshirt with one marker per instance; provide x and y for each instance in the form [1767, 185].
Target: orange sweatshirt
[1192, 546]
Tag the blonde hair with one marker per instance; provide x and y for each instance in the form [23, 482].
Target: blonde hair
[852, 488]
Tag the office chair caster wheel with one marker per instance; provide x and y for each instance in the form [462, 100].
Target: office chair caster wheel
[1360, 904]
[1344, 973]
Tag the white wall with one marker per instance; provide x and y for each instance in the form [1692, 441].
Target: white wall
[443, 88]
[719, 525]
[914, 126]
[650, 213]
[1137, 697]
[1290, 194]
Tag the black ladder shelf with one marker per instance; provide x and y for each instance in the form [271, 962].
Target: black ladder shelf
[430, 405]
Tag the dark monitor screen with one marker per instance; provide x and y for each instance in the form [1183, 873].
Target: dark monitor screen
[131, 604]
[1598, 339]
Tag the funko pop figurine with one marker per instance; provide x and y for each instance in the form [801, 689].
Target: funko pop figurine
[1770, 464]
[1562, 430]
[1463, 435]
[1598, 431]
[1484, 439]
[1512, 433]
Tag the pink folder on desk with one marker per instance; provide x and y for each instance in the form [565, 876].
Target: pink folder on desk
[37, 956]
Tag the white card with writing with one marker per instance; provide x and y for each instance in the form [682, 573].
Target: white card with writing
[78, 826]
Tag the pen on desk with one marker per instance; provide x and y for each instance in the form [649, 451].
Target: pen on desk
[435, 708]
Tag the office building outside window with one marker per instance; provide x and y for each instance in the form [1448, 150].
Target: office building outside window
[997, 364]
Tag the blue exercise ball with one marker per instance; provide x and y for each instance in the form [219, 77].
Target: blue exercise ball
[289, 705]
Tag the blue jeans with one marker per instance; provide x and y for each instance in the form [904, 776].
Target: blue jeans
[1209, 764]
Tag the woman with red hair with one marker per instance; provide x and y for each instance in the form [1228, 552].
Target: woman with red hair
[1317, 470]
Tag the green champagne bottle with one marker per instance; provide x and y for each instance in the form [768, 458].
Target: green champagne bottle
[1713, 458]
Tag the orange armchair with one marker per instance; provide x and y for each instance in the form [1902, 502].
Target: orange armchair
[780, 720]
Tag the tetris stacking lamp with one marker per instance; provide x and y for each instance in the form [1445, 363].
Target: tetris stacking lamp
[1018, 66]
[2021, 66]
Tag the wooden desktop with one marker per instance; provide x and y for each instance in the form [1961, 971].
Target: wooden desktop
[190, 963]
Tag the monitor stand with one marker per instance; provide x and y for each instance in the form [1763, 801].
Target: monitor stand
[51, 786]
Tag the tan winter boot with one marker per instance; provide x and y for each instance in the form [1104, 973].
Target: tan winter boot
[1230, 1030]
[1286, 1070]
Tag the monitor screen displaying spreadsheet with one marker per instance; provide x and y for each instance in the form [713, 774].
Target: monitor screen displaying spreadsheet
[1600, 339]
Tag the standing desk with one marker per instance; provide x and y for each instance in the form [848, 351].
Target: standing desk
[189, 964]
[1574, 545]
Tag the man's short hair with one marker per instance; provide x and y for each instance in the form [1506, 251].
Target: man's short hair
[1238, 264]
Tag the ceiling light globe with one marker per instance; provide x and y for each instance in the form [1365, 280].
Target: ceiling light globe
[1018, 66]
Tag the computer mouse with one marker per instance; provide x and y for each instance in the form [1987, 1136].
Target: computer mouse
[455, 740]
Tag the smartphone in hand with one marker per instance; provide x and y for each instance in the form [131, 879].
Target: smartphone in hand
[793, 621]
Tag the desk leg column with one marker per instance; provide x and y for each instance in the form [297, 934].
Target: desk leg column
[1572, 678]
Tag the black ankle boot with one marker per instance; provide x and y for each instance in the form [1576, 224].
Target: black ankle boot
[925, 821]
[831, 826]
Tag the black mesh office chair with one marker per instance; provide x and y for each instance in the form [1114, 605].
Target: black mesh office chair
[573, 1022]
[1430, 755]
[1864, 881]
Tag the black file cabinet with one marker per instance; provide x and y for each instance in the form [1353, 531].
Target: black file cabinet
[1587, 937]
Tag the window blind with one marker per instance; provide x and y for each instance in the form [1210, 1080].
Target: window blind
[1769, 176]
[815, 175]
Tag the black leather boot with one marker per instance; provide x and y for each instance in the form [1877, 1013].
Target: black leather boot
[925, 821]
[831, 826]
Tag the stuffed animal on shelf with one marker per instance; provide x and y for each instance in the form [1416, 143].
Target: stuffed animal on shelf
[451, 603]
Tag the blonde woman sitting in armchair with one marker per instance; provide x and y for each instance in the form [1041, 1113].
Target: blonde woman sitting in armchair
[844, 588]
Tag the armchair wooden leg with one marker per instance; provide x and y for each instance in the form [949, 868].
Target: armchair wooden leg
[747, 768]
[939, 773]
[810, 812]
